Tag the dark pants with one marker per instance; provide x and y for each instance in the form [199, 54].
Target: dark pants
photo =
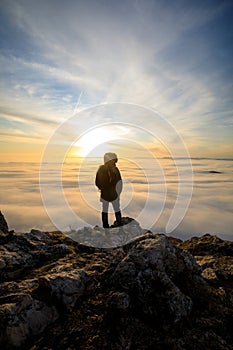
[116, 207]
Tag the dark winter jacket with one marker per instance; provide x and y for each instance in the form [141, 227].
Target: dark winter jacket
[108, 180]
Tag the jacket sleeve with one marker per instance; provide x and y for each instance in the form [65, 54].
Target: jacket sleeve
[119, 183]
[100, 179]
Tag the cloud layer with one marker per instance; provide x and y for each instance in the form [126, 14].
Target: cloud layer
[210, 209]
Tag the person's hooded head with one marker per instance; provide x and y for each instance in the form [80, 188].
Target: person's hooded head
[110, 158]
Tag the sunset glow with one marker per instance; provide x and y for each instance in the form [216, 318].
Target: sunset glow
[99, 136]
[59, 59]
[148, 80]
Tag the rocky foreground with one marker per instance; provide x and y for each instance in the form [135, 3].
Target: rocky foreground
[154, 292]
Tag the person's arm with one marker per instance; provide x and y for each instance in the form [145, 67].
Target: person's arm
[101, 180]
[119, 183]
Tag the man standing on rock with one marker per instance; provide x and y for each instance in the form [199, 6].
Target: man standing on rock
[108, 180]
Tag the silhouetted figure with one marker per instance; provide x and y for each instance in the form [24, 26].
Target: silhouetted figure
[108, 180]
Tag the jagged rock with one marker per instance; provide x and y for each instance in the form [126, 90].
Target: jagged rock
[64, 283]
[148, 272]
[208, 245]
[28, 250]
[214, 255]
[140, 290]
[5, 234]
[125, 221]
[23, 319]
[3, 224]
[115, 236]
[37, 235]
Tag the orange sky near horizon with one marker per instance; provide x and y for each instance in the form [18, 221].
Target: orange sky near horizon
[33, 152]
[174, 58]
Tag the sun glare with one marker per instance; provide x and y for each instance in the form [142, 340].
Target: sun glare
[96, 137]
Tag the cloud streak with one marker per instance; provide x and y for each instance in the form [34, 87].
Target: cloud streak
[150, 53]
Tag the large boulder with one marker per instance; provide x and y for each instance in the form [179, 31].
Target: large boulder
[23, 318]
[156, 276]
[112, 237]
[64, 284]
[23, 251]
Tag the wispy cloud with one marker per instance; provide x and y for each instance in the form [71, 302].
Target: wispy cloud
[150, 53]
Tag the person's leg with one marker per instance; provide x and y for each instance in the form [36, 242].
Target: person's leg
[105, 206]
[116, 207]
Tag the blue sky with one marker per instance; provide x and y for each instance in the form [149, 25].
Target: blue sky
[172, 56]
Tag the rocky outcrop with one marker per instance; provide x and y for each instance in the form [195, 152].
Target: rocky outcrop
[109, 238]
[5, 234]
[208, 245]
[215, 256]
[149, 273]
[153, 292]
[3, 224]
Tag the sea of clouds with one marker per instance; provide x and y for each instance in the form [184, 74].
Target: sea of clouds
[149, 195]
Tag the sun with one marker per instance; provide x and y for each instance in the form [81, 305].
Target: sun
[95, 137]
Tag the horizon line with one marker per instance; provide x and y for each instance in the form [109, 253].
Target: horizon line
[98, 157]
